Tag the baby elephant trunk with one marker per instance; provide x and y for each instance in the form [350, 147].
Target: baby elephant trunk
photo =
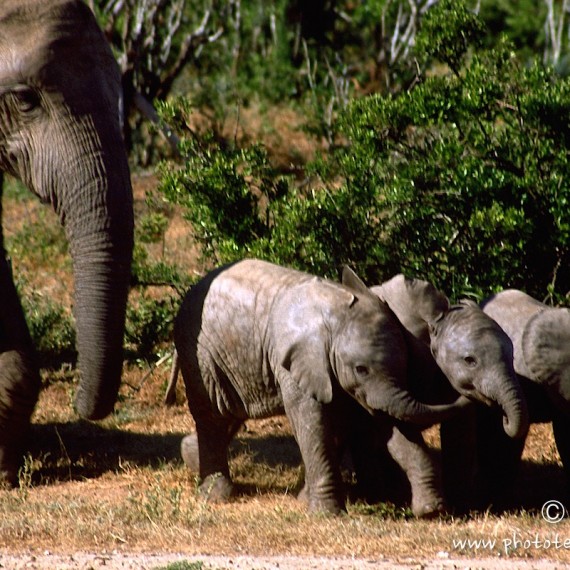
[515, 413]
[402, 405]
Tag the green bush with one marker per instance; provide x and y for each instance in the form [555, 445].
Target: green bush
[471, 166]
[462, 179]
[52, 329]
[149, 323]
[239, 206]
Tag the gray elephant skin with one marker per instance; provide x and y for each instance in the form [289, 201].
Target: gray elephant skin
[541, 340]
[255, 339]
[454, 349]
[60, 133]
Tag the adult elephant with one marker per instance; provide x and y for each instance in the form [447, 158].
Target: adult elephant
[60, 133]
[541, 341]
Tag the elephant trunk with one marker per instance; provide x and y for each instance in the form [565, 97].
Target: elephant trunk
[99, 224]
[402, 405]
[100, 308]
[511, 399]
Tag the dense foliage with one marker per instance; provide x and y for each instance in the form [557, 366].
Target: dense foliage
[460, 179]
[471, 165]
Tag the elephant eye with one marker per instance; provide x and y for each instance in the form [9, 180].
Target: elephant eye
[27, 99]
[361, 370]
[471, 361]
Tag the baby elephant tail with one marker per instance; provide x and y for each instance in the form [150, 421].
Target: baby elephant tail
[170, 397]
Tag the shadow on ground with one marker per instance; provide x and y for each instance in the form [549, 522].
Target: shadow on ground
[84, 450]
[81, 450]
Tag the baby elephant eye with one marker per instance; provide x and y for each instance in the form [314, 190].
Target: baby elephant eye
[471, 361]
[361, 370]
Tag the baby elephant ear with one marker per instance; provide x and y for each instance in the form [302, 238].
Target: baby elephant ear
[468, 303]
[545, 342]
[354, 283]
[431, 303]
[307, 362]
[419, 306]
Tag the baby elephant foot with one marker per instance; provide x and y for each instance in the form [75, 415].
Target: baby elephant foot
[428, 509]
[216, 488]
[189, 452]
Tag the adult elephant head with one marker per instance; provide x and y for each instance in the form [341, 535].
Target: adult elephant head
[60, 133]
[469, 347]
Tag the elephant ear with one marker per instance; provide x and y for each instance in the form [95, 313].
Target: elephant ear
[417, 304]
[351, 280]
[545, 345]
[308, 364]
[304, 335]
[469, 303]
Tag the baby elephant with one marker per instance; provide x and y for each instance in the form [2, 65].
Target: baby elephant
[541, 340]
[255, 340]
[453, 349]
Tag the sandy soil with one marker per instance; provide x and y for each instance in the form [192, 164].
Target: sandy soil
[125, 561]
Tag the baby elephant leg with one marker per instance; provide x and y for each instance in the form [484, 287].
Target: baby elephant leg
[561, 428]
[408, 449]
[313, 432]
[206, 452]
[189, 452]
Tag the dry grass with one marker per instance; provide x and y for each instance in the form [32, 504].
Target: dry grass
[120, 485]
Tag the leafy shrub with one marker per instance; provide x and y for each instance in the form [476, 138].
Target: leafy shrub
[40, 241]
[223, 189]
[460, 180]
[149, 322]
[52, 329]
[152, 227]
[240, 206]
[150, 314]
[470, 165]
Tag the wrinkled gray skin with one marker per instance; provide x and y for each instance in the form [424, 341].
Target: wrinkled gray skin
[60, 133]
[452, 346]
[255, 340]
[472, 351]
[541, 340]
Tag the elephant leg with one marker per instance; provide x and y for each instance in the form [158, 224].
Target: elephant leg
[189, 449]
[498, 460]
[189, 452]
[458, 460]
[561, 430]
[408, 448]
[213, 436]
[206, 451]
[314, 431]
[372, 464]
[19, 379]
[19, 390]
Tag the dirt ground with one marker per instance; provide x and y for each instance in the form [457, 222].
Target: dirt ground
[126, 561]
